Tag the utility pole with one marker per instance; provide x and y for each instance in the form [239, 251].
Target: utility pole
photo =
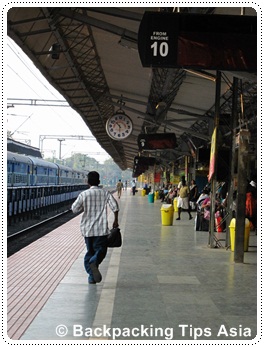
[60, 140]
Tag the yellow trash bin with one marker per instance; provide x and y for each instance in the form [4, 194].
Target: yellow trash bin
[175, 204]
[143, 192]
[156, 196]
[232, 228]
[166, 214]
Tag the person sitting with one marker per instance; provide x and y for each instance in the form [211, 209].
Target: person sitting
[205, 208]
[251, 207]
[170, 195]
[164, 193]
[202, 197]
[200, 223]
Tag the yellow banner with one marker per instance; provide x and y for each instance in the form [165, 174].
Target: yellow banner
[212, 155]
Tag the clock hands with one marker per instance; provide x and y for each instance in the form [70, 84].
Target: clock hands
[119, 126]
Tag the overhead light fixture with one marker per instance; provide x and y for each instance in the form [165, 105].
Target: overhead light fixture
[161, 104]
[55, 50]
[203, 74]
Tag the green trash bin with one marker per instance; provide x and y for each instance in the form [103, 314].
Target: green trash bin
[167, 212]
[151, 197]
[232, 228]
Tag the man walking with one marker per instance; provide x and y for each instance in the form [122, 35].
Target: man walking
[94, 225]
[119, 188]
[183, 200]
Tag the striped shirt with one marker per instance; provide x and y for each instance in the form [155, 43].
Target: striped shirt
[93, 203]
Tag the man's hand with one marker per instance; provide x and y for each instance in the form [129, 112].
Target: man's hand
[115, 224]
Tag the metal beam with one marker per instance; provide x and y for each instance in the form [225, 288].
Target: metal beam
[114, 29]
[62, 138]
[37, 102]
[117, 12]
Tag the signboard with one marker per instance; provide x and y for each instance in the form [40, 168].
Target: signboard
[198, 41]
[144, 161]
[141, 164]
[157, 141]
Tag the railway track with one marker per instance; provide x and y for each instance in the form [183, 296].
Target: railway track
[22, 238]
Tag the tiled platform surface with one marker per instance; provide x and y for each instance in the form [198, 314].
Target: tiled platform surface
[164, 283]
[35, 271]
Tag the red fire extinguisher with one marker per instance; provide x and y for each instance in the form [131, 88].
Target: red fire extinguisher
[218, 222]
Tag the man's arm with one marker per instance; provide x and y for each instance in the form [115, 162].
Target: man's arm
[77, 206]
[114, 207]
[115, 223]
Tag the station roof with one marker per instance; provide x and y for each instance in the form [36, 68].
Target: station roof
[99, 72]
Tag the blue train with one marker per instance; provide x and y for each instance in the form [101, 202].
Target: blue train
[27, 170]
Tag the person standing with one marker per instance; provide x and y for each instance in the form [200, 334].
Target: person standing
[193, 194]
[93, 203]
[180, 184]
[133, 187]
[119, 188]
[183, 200]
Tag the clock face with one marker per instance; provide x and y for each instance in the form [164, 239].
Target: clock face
[119, 126]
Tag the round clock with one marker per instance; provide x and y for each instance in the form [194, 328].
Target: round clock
[119, 126]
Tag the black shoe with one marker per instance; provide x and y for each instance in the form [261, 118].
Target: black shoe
[178, 218]
[96, 273]
[190, 217]
[91, 280]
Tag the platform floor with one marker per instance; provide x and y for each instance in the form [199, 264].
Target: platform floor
[164, 283]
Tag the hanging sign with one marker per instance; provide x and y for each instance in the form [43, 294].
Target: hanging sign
[157, 141]
[198, 41]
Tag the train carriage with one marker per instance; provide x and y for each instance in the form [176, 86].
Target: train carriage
[43, 172]
[79, 177]
[23, 170]
[65, 175]
[19, 169]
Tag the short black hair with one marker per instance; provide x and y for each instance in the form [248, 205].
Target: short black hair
[93, 178]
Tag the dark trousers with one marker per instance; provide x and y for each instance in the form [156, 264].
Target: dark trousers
[96, 251]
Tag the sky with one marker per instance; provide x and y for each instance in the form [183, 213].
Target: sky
[27, 123]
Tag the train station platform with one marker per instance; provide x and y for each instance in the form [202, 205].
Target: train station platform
[165, 283]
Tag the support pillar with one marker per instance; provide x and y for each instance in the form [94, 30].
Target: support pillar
[215, 150]
[231, 188]
[243, 142]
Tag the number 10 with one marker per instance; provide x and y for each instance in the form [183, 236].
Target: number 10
[162, 49]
